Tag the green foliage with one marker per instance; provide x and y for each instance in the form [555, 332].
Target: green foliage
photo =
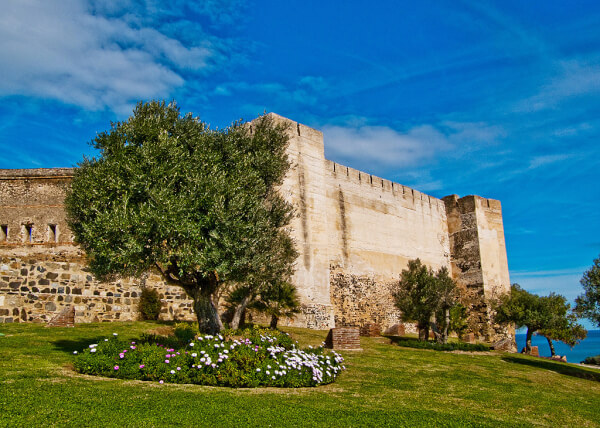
[449, 346]
[252, 360]
[200, 205]
[592, 360]
[150, 304]
[424, 296]
[278, 300]
[185, 332]
[547, 314]
[458, 319]
[415, 296]
[587, 305]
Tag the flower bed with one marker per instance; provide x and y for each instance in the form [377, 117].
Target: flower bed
[256, 358]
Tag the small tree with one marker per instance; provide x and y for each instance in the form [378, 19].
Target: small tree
[447, 296]
[587, 305]
[547, 313]
[566, 330]
[278, 300]
[415, 296]
[201, 206]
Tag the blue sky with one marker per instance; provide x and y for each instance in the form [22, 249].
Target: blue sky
[498, 99]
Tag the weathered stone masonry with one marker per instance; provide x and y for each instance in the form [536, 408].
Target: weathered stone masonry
[355, 232]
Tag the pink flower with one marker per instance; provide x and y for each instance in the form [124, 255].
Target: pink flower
[168, 355]
[142, 366]
[116, 367]
[122, 356]
[167, 361]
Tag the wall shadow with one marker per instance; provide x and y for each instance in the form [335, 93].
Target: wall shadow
[555, 366]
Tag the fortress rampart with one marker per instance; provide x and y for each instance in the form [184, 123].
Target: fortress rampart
[355, 233]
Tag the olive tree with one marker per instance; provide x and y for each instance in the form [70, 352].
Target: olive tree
[426, 298]
[587, 305]
[548, 315]
[199, 205]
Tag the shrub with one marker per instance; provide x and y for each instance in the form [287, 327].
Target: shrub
[185, 332]
[592, 360]
[257, 358]
[150, 304]
[450, 346]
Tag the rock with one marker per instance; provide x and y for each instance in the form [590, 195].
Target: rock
[396, 330]
[469, 338]
[507, 344]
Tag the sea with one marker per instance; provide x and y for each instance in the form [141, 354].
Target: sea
[589, 347]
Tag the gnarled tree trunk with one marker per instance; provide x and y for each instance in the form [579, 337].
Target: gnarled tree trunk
[274, 320]
[528, 341]
[552, 351]
[239, 311]
[206, 313]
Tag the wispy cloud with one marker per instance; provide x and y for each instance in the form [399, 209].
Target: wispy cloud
[363, 145]
[94, 55]
[572, 78]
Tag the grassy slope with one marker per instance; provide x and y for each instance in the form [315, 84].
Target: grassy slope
[384, 385]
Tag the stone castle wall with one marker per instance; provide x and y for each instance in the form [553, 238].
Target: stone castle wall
[354, 232]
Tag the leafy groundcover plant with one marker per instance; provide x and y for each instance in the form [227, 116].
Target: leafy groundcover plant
[254, 358]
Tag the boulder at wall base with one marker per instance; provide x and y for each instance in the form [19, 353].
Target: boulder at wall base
[562, 358]
[396, 330]
[507, 344]
[469, 338]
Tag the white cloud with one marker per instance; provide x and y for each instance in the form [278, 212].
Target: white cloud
[383, 145]
[67, 51]
[362, 144]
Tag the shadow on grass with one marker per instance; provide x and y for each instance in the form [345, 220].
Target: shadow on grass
[555, 366]
[70, 345]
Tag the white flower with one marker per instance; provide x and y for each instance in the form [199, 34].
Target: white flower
[273, 377]
[257, 370]
[75, 352]
[194, 355]
[115, 334]
[93, 345]
[267, 372]
[172, 371]
[93, 350]
[192, 344]
[106, 340]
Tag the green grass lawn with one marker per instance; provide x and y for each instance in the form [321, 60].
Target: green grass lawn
[385, 385]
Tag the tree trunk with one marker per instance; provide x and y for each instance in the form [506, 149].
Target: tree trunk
[528, 341]
[239, 312]
[552, 352]
[206, 312]
[274, 320]
[436, 330]
[446, 326]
